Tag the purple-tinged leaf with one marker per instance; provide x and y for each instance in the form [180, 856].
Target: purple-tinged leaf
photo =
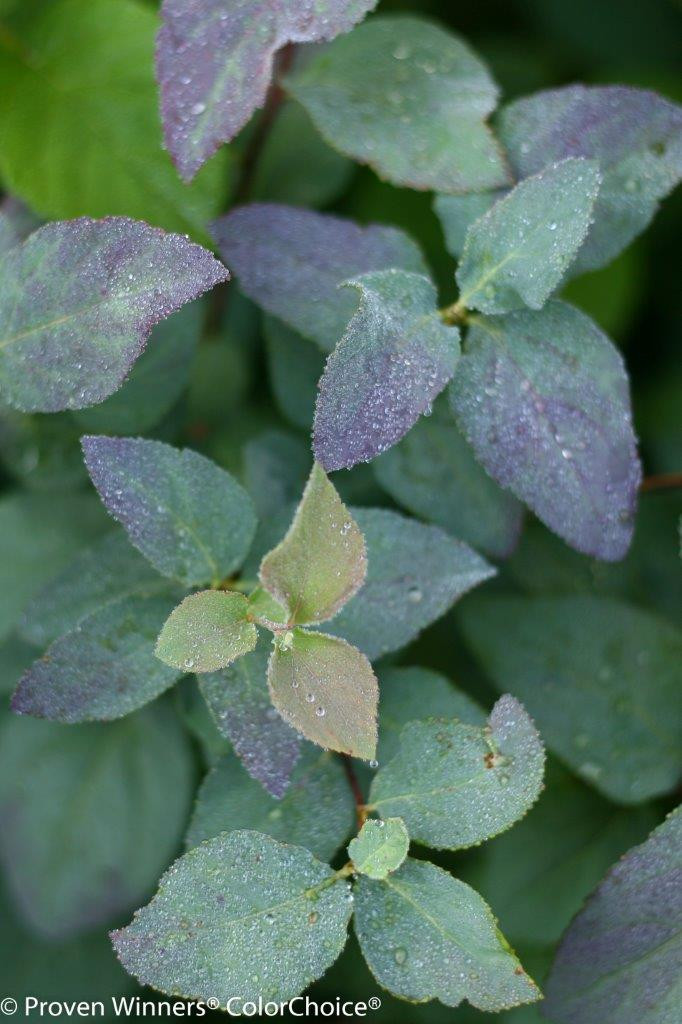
[190, 518]
[292, 261]
[636, 136]
[214, 63]
[240, 704]
[396, 356]
[104, 669]
[620, 960]
[542, 397]
[78, 300]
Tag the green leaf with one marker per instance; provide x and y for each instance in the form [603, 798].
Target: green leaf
[410, 100]
[326, 689]
[105, 668]
[239, 701]
[415, 573]
[395, 357]
[207, 631]
[426, 935]
[80, 74]
[41, 452]
[240, 914]
[458, 213]
[410, 694]
[542, 397]
[108, 571]
[433, 474]
[518, 252]
[380, 847]
[316, 812]
[39, 534]
[601, 678]
[321, 562]
[295, 366]
[619, 961]
[455, 785]
[190, 518]
[91, 814]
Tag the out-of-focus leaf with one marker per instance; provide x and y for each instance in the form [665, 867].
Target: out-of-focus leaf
[619, 961]
[207, 631]
[78, 300]
[380, 847]
[395, 357]
[190, 518]
[316, 812]
[240, 704]
[518, 252]
[296, 365]
[636, 136]
[601, 677]
[240, 913]
[434, 474]
[106, 572]
[542, 397]
[15, 658]
[321, 562]
[214, 64]
[91, 814]
[457, 213]
[41, 450]
[192, 709]
[415, 573]
[454, 784]
[105, 668]
[292, 261]
[326, 689]
[410, 100]
[426, 935]
[276, 469]
[39, 535]
[80, 74]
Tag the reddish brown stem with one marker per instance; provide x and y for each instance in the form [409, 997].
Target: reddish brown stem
[662, 482]
[355, 789]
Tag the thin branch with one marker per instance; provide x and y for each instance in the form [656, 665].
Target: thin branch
[661, 482]
[358, 795]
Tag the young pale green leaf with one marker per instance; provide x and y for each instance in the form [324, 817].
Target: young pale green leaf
[458, 213]
[214, 64]
[316, 812]
[455, 785]
[321, 562]
[380, 847]
[105, 668]
[242, 913]
[619, 961]
[291, 262]
[207, 631]
[433, 474]
[108, 571]
[326, 689]
[542, 397]
[81, 76]
[91, 814]
[601, 677]
[415, 573]
[518, 252]
[634, 134]
[394, 358]
[78, 300]
[190, 518]
[240, 704]
[410, 100]
[295, 366]
[426, 935]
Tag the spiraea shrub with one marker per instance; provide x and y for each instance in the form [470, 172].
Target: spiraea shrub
[303, 338]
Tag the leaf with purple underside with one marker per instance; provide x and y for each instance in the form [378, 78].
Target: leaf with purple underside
[190, 518]
[78, 300]
[240, 704]
[543, 398]
[214, 63]
[619, 960]
[292, 261]
[636, 136]
[395, 357]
